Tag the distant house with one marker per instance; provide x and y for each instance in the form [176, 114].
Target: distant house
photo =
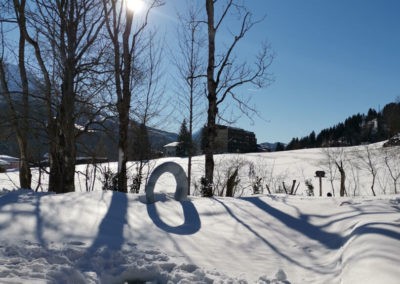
[170, 149]
[234, 140]
[263, 148]
[9, 162]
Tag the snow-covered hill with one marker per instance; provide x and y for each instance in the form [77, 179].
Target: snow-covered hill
[274, 169]
[109, 237]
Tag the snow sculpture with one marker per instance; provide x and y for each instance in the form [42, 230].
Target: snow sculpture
[180, 178]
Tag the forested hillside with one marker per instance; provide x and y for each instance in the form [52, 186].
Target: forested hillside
[375, 126]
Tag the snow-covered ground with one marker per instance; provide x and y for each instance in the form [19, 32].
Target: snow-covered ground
[109, 237]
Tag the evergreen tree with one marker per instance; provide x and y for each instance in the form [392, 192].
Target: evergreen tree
[312, 140]
[141, 149]
[279, 147]
[185, 141]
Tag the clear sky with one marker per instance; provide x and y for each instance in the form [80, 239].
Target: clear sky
[333, 59]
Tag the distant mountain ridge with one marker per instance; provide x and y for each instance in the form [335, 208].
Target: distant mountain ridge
[93, 140]
[375, 126]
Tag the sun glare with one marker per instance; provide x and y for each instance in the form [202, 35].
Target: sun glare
[135, 5]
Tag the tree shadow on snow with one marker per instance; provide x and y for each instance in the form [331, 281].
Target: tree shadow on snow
[191, 225]
[111, 229]
[270, 245]
[329, 240]
[27, 197]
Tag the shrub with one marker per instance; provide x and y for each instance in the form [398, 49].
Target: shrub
[257, 185]
[109, 180]
[310, 187]
[136, 183]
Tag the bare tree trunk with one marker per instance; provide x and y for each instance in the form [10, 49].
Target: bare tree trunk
[119, 23]
[20, 7]
[25, 177]
[123, 147]
[189, 66]
[212, 103]
[342, 178]
[223, 79]
[373, 185]
[20, 121]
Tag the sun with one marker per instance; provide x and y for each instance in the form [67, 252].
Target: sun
[135, 5]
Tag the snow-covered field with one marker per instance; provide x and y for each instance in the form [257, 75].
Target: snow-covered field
[109, 237]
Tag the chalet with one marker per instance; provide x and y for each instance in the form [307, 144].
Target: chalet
[170, 149]
[9, 162]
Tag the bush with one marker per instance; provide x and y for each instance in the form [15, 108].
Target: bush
[257, 185]
[110, 180]
[136, 183]
[310, 187]
[2, 169]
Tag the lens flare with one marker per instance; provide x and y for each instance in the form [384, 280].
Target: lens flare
[135, 5]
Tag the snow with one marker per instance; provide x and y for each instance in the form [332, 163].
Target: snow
[172, 144]
[111, 237]
[8, 158]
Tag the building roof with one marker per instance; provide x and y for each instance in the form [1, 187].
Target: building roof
[8, 158]
[172, 144]
[4, 163]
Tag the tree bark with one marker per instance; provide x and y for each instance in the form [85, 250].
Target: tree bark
[25, 176]
[212, 103]
[342, 178]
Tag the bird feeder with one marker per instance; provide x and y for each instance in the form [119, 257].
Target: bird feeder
[320, 175]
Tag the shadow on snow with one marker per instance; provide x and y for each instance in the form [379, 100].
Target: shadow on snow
[191, 225]
[111, 229]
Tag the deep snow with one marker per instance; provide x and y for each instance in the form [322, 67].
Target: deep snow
[109, 237]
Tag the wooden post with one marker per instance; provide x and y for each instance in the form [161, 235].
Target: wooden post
[320, 186]
[320, 175]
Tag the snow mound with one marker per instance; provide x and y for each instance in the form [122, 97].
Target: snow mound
[32, 263]
[111, 237]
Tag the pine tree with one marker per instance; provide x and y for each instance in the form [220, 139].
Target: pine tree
[279, 147]
[185, 141]
[141, 148]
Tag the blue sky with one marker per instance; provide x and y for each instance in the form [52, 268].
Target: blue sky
[333, 59]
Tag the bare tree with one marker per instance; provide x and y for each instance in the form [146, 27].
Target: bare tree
[148, 106]
[392, 162]
[336, 157]
[189, 66]
[20, 119]
[225, 74]
[124, 40]
[71, 29]
[354, 178]
[329, 165]
[368, 161]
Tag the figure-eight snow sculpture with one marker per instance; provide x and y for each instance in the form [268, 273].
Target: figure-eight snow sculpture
[180, 178]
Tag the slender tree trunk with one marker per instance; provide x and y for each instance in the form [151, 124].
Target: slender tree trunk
[373, 184]
[20, 6]
[122, 148]
[25, 176]
[17, 128]
[212, 103]
[342, 179]
[124, 101]
[65, 152]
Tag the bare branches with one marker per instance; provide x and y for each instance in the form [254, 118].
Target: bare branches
[125, 41]
[228, 75]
